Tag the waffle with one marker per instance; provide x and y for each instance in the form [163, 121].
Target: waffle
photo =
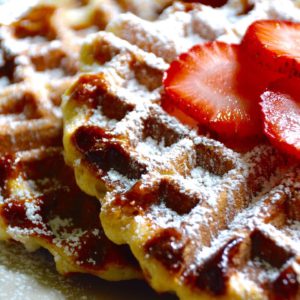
[44, 42]
[39, 59]
[195, 23]
[203, 220]
[40, 204]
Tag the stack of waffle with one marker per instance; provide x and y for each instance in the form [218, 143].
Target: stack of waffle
[40, 203]
[202, 220]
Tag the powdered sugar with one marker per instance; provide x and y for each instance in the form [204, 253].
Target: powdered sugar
[65, 238]
[32, 212]
[4, 81]
[100, 119]
[227, 23]
[120, 181]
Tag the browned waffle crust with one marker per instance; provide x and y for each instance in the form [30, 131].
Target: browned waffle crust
[36, 67]
[203, 220]
[38, 60]
[42, 206]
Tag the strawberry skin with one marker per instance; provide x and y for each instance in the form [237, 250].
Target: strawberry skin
[281, 113]
[213, 3]
[274, 45]
[209, 84]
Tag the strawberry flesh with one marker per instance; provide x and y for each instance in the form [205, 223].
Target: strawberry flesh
[281, 113]
[274, 45]
[209, 84]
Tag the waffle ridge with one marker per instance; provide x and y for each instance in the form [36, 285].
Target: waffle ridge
[203, 220]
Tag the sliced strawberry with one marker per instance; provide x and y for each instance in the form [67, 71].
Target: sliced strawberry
[209, 84]
[213, 3]
[172, 110]
[281, 112]
[275, 45]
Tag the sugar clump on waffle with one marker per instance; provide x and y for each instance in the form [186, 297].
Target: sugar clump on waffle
[203, 220]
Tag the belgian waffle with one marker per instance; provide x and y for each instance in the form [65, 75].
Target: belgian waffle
[44, 43]
[195, 23]
[40, 204]
[203, 220]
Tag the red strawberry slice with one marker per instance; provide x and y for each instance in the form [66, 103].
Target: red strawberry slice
[213, 3]
[209, 84]
[275, 45]
[281, 112]
[172, 110]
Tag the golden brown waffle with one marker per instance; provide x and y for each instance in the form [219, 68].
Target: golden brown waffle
[203, 220]
[40, 204]
[39, 59]
[195, 23]
[37, 63]
[42, 45]
[87, 11]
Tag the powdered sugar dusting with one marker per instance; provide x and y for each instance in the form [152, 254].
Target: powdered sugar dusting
[66, 238]
[32, 213]
[198, 25]
[121, 181]
[99, 118]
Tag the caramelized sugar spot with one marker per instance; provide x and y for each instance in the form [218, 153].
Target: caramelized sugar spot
[37, 22]
[213, 275]
[8, 67]
[266, 249]
[93, 91]
[167, 247]
[286, 286]
[159, 131]
[213, 3]
[105, 154]
[146, 75]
